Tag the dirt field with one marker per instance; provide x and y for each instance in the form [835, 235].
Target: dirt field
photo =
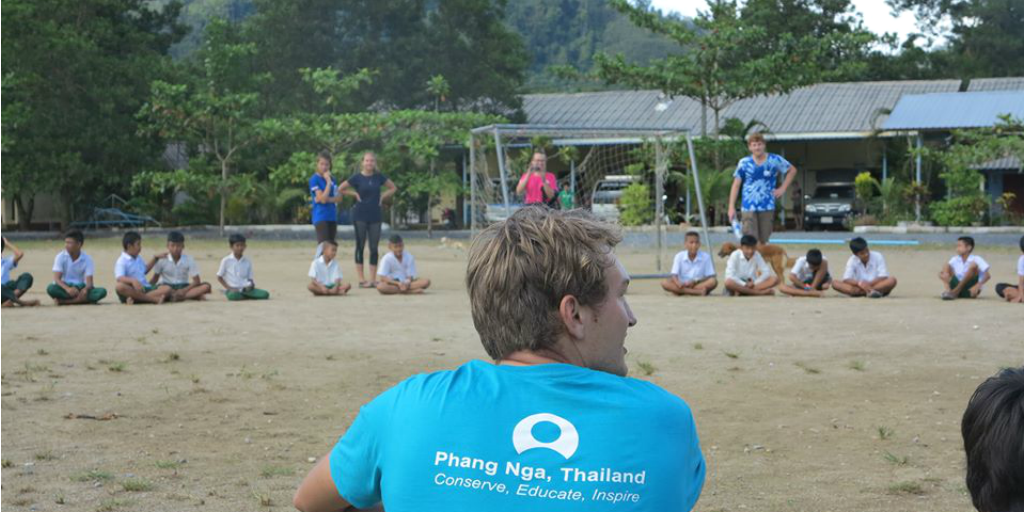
[802, 404]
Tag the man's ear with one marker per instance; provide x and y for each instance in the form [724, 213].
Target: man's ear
[572, 315]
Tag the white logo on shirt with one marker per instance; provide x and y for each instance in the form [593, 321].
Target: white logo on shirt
[566, 444]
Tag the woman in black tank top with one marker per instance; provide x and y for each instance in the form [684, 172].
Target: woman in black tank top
[365, 186]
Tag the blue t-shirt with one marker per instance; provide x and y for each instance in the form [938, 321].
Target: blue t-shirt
[368, 208]
[759, 181]
[323, 211]
[513, 438]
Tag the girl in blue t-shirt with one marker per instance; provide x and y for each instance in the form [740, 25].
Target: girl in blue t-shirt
[325, 197]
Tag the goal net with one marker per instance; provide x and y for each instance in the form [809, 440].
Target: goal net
[593, 166]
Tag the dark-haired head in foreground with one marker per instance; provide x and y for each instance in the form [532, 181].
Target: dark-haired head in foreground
[993, 431]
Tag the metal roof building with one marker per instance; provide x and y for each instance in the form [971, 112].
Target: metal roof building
[945, 111]
[816, 112]
[996, 84]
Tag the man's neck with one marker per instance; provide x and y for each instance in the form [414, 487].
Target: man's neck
[693, 255]
[176, 258]
[532, 358]
[965, 256]
[760, 158]
[74, 255]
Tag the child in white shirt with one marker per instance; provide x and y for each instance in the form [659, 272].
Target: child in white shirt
[1010, 292]
[235, 273]
[809, 276]
[693, 272]
[325, 273]
[866, 274]
[964, 274]
[397, 271]
[746, 272]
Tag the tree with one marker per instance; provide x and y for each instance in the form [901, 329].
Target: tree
[985, 35]
[724, 58]
[216, 111]
[75, 72]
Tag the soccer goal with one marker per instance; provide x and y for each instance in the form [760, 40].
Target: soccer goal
[595, 165]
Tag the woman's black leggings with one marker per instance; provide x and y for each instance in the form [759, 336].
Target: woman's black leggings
[366, 230]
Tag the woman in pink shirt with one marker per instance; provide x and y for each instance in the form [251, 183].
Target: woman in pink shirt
[539, 184]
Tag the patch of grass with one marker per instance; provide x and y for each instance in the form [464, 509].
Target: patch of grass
[22, 502]
[168, 464]
[42, 352]
[329, 357]
[906, 488]
[698, 346]
[46, 455]
[884, 433]
[137, 485]
[272, 471]
[269, 375]
[807, 369]
[731, 355]
[895, 460]
[6, 463]
[111, 505]
[93, 475]
[263, 498]
[646, 368]
[27, 490]
[194, 378]
[117, 366]
[857, 365]
[173, 356]
[59, 499]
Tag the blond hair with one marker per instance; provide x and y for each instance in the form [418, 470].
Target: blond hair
[755, 137]
[520, 269]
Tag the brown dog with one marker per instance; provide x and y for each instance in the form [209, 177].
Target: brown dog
[773, 254]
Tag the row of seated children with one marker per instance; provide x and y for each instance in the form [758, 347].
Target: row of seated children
[865, 275]
[175, 274]
[396, 274]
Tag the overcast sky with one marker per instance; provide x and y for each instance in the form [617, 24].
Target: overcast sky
[877, 15]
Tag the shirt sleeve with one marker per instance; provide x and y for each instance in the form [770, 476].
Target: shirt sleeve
[58, 263]
[314, 183]
[781, 164]
[312, 269]
[385, 265]
[223, 268]
[739, 168]
[1020, 266]
[119, 268]
[193, 267]
[883, 271]
[709, 267]
[90, 267]
[357, 459]
[412, 268]
[798, 266]
[849, 272]
[983, 265]
[552, 181]
[730, 267]
[677, 265]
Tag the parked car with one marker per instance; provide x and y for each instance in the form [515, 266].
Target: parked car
[604, 200]
[832, 205]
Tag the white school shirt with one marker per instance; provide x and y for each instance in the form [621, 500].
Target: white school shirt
[803, 270]
[1020, 266]
[180, 272]
[325, 273]
[741, 270]
[398, 270]
[860, 272]
[128, 266]
[73, 271]
[236, 272]
[692, 270]
[960, 266]
[8, 264]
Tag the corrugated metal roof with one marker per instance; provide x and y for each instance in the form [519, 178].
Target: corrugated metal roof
[819, 111]
[954, 110]
[1007, 163]
[1015, 83]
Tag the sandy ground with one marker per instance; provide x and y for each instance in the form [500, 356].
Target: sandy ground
[802, 404]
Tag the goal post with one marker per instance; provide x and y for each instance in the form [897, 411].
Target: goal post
[594, 163]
